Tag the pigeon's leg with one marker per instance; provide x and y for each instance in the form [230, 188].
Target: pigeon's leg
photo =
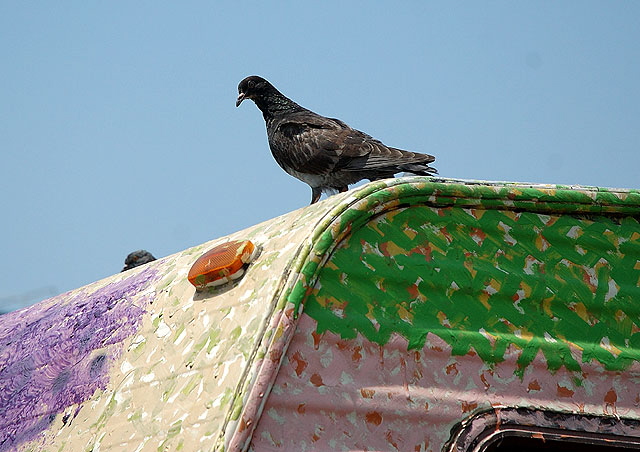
[316, 192]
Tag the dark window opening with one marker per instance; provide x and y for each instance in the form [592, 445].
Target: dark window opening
[506, 429]
[521, 444]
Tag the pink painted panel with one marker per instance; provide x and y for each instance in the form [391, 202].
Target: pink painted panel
[335, 394]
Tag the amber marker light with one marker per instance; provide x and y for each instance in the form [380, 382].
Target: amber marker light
[222, 264]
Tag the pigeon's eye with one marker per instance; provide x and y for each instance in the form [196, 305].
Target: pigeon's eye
[250, 84]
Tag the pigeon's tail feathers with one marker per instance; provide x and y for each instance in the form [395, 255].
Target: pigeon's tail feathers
[412, 157]
[392, 160]
[414, 162]
[420, 169]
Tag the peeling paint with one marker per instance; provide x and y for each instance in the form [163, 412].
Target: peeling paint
[471, 309]
[433, 327]
[578, 309]
[56, 354]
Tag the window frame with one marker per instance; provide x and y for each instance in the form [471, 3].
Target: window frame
[481, 430]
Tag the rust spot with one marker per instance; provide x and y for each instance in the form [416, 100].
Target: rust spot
[436, 348]
[534, 386]
[342, 344]
[466, 406]
[316, 339]
[417, 356]
[452, 369]
[390, 440]
[337, 306]
[381, 285]
[384, 249]
[373, 417]
[356, 356]
[275, 356]
[587, 280]
[243, 424]
[423, 446]
[315, 437]
[484, 381]
[478, 235]
[499, 421]
[426, 406]
[446, 234]
[316, 380]
[611, 397]
[367, 393]
[302, 408]
[424, 250]
[413, 291]
[405, 383]
[300, 363]
[564, 392]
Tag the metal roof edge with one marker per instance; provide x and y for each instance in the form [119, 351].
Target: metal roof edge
[352, 209]
[376, 197]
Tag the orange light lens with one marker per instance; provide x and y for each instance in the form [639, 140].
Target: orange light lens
[221, 264]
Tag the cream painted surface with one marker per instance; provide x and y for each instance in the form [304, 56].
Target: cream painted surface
[174, 385]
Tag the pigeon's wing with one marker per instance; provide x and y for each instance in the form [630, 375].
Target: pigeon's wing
[309, 143]
[359, 151]
[314, 144]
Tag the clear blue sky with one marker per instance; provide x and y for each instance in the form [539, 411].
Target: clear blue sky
[118, 128]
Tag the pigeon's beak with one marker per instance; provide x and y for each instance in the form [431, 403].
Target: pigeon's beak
[240, 99]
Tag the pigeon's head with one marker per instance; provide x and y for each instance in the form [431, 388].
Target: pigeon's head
[255, 88]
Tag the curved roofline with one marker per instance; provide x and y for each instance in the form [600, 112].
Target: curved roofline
[263, 312]
[355, 207]
[377, 197]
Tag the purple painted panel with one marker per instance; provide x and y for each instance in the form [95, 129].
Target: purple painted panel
[57, 353]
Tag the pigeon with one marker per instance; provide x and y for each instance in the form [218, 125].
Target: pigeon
[325, 153]
[136, 259]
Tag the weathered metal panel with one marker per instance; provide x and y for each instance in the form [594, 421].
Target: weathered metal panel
[139, 361]
[441, 301]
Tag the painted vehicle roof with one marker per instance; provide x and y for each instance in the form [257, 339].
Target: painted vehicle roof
[140, 361]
